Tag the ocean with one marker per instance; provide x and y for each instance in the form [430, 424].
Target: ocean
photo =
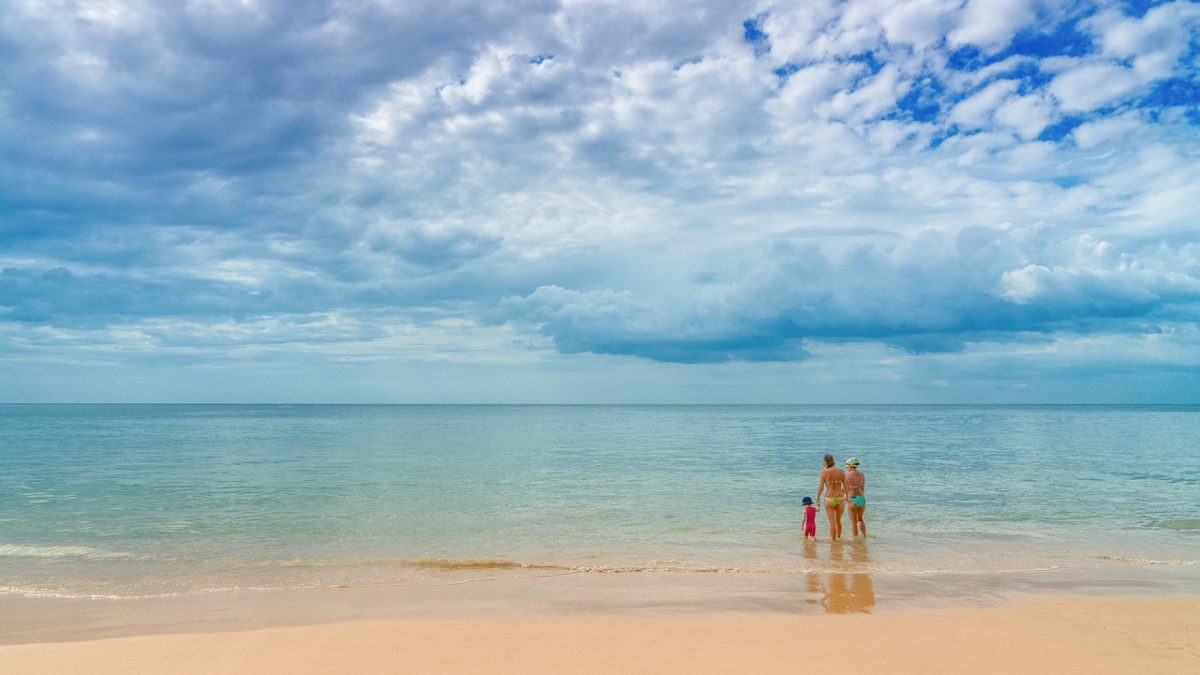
[119, 501]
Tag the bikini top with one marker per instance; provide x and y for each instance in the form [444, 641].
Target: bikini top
[834, 479]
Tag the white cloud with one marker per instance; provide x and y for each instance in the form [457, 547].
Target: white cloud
[1154, 44]
[1164, 29]
[920, 23]
[1093, 85]
[1091, 134]
[1027, 115]
[990, 24]
[806, 88]
[976, 111]
[1092, 273]
[872, 98]
[808, 32]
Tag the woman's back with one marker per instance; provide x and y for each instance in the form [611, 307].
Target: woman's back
[855, 483]
[835, 481]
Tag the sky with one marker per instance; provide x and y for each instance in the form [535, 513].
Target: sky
[868, 201]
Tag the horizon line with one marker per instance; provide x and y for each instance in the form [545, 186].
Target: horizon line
[612, 404]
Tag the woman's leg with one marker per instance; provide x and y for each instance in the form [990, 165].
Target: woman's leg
[862, 520]
[840, 509]
[853, 519]
[835, 520]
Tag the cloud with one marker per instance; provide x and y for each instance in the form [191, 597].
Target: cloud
[58, 296]
[921, 23]
[685, 183]
[1159, 36]
[1133, 53]
[990, 24]
[1091, 86]
[127, 104]
[927, 293]
[1091, 278]
[976, 111]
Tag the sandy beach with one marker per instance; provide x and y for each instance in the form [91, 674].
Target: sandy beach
[1068, 635]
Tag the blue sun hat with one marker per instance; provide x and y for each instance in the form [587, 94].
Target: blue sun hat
[806, 501]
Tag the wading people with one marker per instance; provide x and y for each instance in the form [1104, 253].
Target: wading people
[856, 490]
[833, 485]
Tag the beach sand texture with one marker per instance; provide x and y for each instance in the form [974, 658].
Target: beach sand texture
[1121, 635]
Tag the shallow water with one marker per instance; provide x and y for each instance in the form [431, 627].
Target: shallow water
[119, 501]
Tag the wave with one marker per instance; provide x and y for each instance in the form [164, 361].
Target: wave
[59, 595]
[280, 581]
[411, 563]
[470, 564]
[63, 552]
[1179, 524]
[485, 564]
[63, 594]
[1145, 561]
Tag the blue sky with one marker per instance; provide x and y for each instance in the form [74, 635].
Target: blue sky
[583, 201]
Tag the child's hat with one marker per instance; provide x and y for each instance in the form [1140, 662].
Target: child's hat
[806, 501]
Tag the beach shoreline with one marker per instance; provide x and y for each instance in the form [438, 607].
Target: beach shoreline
[1060, 635]
[537, 594]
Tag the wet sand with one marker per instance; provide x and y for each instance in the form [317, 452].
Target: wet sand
[1072, 635]
[538, 594]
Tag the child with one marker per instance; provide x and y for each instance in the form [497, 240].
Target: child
[810, 518]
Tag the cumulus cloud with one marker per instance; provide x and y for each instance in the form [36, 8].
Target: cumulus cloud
[926, 293]
[990, 24]
[1133, 53]
[1090, 86]
[921, 23]
[975, 111]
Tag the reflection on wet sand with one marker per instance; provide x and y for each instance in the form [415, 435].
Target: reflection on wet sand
[841, 592]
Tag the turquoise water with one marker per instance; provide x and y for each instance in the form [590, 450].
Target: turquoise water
[117, 500]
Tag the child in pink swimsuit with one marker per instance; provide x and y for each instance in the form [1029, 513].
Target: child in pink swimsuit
[810, 518]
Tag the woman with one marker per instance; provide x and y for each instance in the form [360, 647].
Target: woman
[856, 488]
[833, 479]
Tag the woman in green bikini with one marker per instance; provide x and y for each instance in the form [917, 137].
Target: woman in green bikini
[856, 486]
[833, 479]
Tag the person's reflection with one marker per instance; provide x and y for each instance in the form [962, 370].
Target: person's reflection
[862, 588]
[813, 576]
[847, 587]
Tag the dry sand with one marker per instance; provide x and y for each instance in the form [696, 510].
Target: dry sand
[1112, 635]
